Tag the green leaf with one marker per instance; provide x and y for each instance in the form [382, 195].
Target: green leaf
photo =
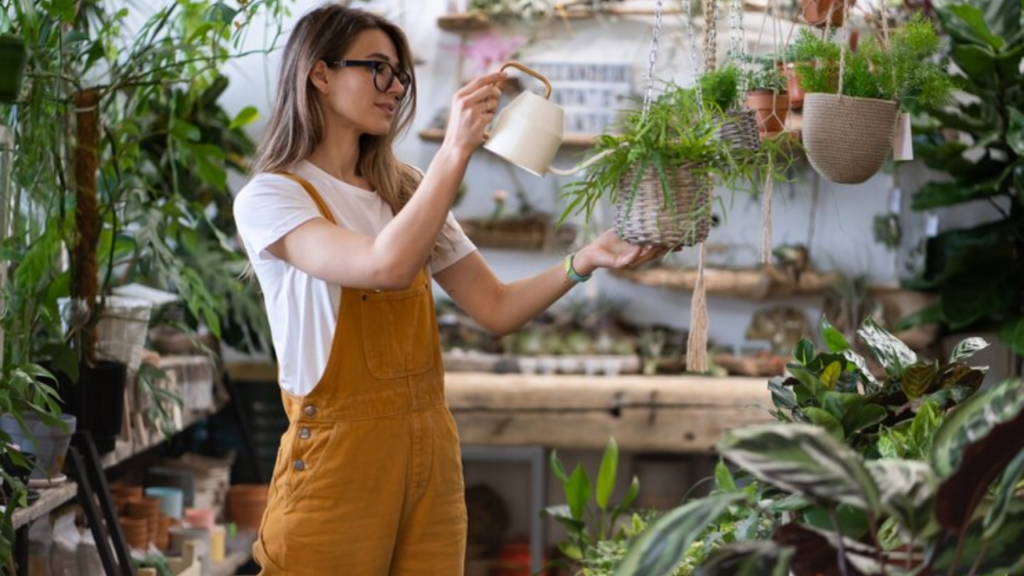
[973, 446]
[804, 352]
[918, 378]
[220, 13]
[936, 194]
[973, 17]
[723, 477]
[907, 491]
[833, 338]
[862, 417]
[888, 350]
[803, 459]
[976, 61]
[185, 131]
[967, 348]
[658, 551]
[820, 417]
[1012, 334]
[972, 296]
[1000, 555]
[751, 558]
[557, 468]
[627, 500]
[831, 375]
[606, 475]
[1015, 132]
[577, 492]
[248, 115]
[782, 395]
[1005, 493]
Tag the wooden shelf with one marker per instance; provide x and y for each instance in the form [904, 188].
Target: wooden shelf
[681, 414]
[52, 498]
[755, 284]
[465, 22]
[571, 140]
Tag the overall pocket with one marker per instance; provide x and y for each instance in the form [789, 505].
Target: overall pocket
[398, 331]
[310, 452]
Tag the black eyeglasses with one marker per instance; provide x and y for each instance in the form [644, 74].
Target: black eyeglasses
[383, 73]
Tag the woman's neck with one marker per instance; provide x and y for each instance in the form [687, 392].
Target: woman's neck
[338, 153]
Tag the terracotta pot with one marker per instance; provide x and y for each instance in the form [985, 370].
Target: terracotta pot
[816, 12]
[136, 532]
[796, 93]
[771, 110]
[246, 504]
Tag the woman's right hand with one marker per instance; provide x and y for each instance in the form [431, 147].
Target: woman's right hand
[473, 107]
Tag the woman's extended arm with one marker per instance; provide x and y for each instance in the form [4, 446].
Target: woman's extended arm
[391, 260]
[503, 308]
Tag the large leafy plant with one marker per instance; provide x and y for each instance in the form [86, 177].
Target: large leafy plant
[903, 71]
[958, 512]
[978, 141]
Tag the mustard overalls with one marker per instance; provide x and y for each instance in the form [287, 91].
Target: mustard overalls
[368, 479]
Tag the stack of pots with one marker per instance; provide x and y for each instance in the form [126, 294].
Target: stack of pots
[136, 532]
[147, 509]
[246, 504]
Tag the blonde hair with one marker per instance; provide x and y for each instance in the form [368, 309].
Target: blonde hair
[296, 125]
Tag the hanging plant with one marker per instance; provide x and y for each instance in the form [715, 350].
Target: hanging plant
[853, 98]
[768, 98]
[721, 90]
[657, 173]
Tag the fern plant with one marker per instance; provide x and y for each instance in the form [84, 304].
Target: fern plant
[904, 71]
[676, 130]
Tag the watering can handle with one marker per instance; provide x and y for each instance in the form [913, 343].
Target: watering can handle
[535, 74]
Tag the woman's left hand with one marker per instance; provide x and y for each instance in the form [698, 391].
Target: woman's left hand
[610, 251]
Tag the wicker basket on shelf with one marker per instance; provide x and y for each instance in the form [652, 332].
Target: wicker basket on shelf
[651, 218]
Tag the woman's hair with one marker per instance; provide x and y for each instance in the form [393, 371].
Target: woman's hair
[296, 125]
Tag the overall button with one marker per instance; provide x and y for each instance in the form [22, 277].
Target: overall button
[305, 434]
[300, 465]
[310, 411]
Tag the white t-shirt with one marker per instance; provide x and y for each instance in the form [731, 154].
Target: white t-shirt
[302, 309]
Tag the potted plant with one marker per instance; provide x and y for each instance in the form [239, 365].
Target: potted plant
[852, 100]
[721, 92]
[767, 96]
[825, 12]
[657, 173]
[975, 269]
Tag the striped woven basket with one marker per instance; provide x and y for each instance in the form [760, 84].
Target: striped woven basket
[739, 129]
[848, 139]
[646, 218]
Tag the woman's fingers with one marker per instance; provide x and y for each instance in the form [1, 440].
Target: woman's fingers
[482, 81]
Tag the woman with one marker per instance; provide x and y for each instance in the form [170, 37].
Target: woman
[344, 239]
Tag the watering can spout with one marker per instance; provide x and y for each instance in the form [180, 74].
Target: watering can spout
[573, 170]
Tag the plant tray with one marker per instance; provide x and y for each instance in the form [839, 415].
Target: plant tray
[756, 366]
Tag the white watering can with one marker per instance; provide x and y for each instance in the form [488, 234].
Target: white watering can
[528, 132]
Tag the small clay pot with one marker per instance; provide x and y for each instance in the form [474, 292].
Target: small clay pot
[772, 110]
[816, 12]
[796, 93]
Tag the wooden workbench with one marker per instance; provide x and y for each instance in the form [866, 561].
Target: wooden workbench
[685, 414]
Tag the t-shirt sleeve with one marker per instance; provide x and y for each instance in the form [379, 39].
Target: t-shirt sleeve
[452, 245]
[269, 207]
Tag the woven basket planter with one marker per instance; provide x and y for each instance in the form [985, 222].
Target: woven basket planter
[739, 129]
[647, 219]
[848, 139]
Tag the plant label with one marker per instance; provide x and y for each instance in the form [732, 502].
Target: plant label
[903, 143]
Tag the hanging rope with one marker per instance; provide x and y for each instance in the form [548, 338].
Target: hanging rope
[766, 215]
[652, 59]
[737, 39]
[692, 47]
[697, 340]
[710, 34]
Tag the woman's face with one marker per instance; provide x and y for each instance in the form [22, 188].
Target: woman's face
[352, 91]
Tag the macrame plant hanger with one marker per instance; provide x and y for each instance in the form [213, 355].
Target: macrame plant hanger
[697, 339]
[764, 253]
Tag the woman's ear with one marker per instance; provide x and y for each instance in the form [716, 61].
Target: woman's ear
[319, 76]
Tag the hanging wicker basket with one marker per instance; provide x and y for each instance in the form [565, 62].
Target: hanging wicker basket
[739, 129]
[647, 219]
[847, 139]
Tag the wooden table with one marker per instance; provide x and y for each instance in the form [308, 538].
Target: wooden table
[683, 414]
